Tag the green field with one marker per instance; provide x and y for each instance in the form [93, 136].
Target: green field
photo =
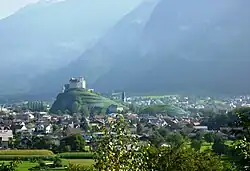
[208, 146]
[25, 165]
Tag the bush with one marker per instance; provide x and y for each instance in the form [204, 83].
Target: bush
[57, 162]
[76, 155]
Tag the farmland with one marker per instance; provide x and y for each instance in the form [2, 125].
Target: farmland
[26, 165]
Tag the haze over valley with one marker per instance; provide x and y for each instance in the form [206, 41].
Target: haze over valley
[158, 46]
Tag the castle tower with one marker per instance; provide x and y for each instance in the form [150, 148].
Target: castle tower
[123, 96]
[82, 83]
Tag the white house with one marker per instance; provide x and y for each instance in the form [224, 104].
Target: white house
[48, 129]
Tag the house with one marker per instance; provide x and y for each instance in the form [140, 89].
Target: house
[20, 128]
[48, 129]
[70, 131]
[201, 128]
[5, 137]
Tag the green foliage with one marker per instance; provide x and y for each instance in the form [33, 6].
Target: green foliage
[209, 137]
[12, 166]
[240, 154]
[175, 139]
[84, 124]
[196, 144]
[76, 155]
[156, 139]
[77, 167]
[139, 128]
[164, 132]
[117, 149]
[75, 141]
[112, 153]
[163, 109]
[57, 162]
[41, 143]
[219, 146]
[181, 158]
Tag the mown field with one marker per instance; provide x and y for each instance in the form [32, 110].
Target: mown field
[208, 146]
[26, 165]
[81, 158]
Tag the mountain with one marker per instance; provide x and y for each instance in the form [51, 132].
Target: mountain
[99, 59]
[177, 46]
[45, 36]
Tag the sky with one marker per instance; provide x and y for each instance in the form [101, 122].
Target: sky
[8, 7]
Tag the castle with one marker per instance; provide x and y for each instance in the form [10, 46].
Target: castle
[75, 83]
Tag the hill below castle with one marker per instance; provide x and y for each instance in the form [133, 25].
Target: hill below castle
[80, 100]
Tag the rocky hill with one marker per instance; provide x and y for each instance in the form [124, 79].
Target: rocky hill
[78, 100]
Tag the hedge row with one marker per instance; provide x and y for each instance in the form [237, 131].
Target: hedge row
[26, 157]
[76, 155]
[26, 152]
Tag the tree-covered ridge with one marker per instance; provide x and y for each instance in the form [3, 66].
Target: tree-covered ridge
[165, 109]
[80, 100]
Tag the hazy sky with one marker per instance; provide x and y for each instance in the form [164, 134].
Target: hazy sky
[7, 7]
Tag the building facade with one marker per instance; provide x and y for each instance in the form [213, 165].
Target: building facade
[75, 83]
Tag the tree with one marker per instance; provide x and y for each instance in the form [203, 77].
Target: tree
[139, 128]
[84, 124]
[117, 149]
[164, 132]
[196, 144]
[240, 152]
[209, 137]
[75, 107]
[175, 139]
[57, 162]
[219, 146]
[199, 135]
[156, 139]
[75, 141]
[85, 111]
[181, 158]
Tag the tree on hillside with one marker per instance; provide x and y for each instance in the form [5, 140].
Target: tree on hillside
[75, 107]
[85, 111]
